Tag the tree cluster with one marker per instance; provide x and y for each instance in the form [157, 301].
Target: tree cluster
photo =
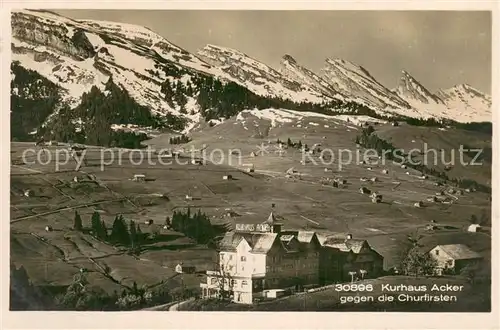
[179, 139]
[127, 235]
[417, 262]
[196, 226]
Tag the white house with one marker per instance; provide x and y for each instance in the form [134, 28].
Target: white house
[453, 257]
[257, 258]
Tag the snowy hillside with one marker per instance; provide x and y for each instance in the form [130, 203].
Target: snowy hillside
[77, 55]
[278, 117]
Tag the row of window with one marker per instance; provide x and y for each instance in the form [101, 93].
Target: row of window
[231, 282]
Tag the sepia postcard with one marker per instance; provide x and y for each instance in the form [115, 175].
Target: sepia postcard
[277, 162]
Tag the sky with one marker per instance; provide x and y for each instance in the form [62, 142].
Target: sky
[438, 48]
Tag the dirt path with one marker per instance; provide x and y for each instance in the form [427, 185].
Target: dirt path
[65, 209]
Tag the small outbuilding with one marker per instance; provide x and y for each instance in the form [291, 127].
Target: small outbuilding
[48, 228]
[432, 199]
[29, 193]
[227, 177]
[139, 177]
[418, 204]
[474, 228]
[364, 191]
[183, 269]
[148, 222]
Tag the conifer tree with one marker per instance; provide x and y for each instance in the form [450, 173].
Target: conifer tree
[77, 224]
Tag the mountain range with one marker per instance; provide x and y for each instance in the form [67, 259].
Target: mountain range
[77, 57]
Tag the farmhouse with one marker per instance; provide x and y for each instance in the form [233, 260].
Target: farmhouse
[256, 260]
[364, 190]
[474, 228]
[183, 269]
[139, 177]
[453, 257]
[376, 198]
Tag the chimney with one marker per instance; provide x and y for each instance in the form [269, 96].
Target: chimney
[348, 236]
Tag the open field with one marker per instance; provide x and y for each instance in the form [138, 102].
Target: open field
[305, 203]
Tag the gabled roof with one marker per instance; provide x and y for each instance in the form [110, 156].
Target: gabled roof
[302, 236]
[459, 251]
[345, 245]
[258, 242]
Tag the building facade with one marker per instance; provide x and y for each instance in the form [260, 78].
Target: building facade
[453, 257]
[256, 260]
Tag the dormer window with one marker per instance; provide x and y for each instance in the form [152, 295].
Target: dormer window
[243, 258]
[437, 252]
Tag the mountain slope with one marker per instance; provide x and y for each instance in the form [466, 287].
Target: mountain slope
[294, 71]
[412, 91]
[357, 83]
[464, 101]
[258, 77]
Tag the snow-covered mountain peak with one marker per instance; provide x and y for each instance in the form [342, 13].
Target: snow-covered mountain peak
[257, 76]
[358, 84]
[414, 92]
[288, 58]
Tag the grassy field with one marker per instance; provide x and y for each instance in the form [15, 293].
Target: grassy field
[54, 257]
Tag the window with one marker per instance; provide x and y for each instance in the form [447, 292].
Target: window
[230, 257]
[243, 283]
[213, 281]
[232, 282]
[243, 258]
[437, 252]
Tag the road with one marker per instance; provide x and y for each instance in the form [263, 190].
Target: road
[170, 307]
[175, 307]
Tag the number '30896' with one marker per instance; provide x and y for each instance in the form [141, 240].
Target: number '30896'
[354, 287]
